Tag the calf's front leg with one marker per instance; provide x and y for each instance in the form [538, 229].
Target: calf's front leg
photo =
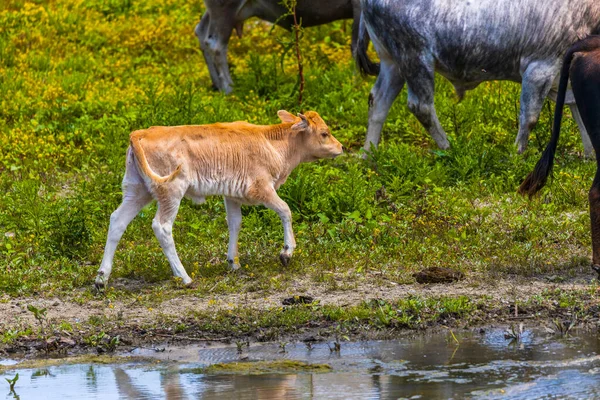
[274, 202]
[234, 223]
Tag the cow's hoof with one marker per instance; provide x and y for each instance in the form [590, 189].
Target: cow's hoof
[285, 259]
[234, 264]
[191, 285]
[99, 285]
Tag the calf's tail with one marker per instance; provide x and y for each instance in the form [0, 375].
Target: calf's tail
[140, 156]
[365, 65]
[538, 177]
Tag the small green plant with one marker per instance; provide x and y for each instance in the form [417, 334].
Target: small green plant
[337, 346]
[513, 333]
[338, 335]
[386, 314]
[103, 342]
[560, 327]
[40, 316]
[12, 382]
[180, 327]
[240, 346]
[282, 346]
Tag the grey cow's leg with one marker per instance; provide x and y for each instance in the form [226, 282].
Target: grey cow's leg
[421, 89]
[213, 35]
[135, 198]
[234, 223]
[201, 33]
[588, 149]
[537, 82]
[387, 86]
[163, 229]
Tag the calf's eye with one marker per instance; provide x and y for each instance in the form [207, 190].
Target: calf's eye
[324, 134]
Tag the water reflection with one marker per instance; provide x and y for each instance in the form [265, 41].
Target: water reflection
[482, 365]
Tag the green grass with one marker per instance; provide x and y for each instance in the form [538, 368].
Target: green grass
[76, 77]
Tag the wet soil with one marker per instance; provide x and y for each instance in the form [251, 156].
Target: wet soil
[144, 325]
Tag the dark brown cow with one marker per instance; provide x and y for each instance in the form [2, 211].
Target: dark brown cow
[582, 64]
[223, 16]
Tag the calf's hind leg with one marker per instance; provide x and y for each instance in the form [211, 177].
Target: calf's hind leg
[163, 229]
[135, 197]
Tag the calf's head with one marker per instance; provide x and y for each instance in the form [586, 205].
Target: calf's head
[315, 138]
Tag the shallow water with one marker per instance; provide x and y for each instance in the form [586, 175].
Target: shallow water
[482, 365]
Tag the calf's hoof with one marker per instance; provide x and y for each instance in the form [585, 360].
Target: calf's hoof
[285, 259]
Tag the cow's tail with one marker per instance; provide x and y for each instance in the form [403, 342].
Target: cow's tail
[365, 65]
[140, 156]
[538, 177]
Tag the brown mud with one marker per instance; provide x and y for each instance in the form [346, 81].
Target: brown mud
[75, 327]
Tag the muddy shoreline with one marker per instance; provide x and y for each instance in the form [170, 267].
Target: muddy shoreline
[102, 325]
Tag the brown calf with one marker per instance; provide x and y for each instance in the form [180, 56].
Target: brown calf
[242, 162]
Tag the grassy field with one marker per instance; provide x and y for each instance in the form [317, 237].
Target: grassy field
[76, 77]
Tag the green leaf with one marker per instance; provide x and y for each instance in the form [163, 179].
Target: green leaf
[324, 219]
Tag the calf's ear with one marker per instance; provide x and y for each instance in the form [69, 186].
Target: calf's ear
[302, 124]
[285, 116]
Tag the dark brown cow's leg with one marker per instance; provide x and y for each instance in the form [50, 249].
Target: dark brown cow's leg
[585, 80]
[594, 197]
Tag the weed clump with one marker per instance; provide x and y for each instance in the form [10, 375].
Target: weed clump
[265, 367]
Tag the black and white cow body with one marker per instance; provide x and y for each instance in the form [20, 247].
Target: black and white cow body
[223, 16]
[469, 42]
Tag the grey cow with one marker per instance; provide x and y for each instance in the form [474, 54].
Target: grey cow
[223, 16]
[469, 42]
